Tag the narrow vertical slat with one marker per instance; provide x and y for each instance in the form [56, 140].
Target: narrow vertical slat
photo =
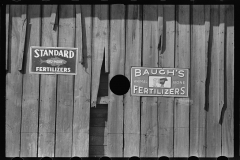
[133, 58]
[82, 82]
[30, 99]
[13, 85]
[213, 115]
[117, 58]
[207, 34]
[7, 36]
[79, 36]
[221, 48]
[65, 86]
[166, 104]
[53, 18]
[197, 82]
[228, 111]
[182, 60]
[22, 37]
[149, 126]
[100, 45]
[47, 110]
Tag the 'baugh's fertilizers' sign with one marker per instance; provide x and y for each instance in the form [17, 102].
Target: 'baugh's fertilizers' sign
[171, 82]
[53, 60]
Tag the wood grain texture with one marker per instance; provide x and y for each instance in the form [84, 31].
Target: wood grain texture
[166, 104]
[228, 111]
[182, 60]
[65, 86]
[100, 46]
[117, 58]
[197, 82]
[149, 126]
[30, 99]
[213, 138]
[133, 58]
[22, 37]
[13, 85]
[82, 82]
[48, 84]
[7, 36]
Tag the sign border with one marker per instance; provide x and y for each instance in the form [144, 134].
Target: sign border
[51, 73]
[141, 95]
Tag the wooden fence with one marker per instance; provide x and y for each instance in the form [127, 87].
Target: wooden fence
[54, 115]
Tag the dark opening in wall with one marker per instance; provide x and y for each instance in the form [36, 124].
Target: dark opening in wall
[98, 120]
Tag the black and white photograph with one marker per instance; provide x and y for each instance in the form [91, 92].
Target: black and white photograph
[72, 91]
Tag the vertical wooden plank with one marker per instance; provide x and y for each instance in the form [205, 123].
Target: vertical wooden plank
[197, 83]
[22, 38]
[47, 110]
[7, 35]
[133, 58]
[221, 50]
[182, 60]
[100, 45]
[228, 124]
[13, 86]
[207, 34]
[213, 115]
[65, 86]
[149, 139]
[82, 82]
[30, 99]
[117, 50]
[165, 104]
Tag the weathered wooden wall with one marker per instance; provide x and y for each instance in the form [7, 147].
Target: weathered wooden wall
[55, 115]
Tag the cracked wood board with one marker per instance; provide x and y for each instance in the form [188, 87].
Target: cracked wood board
[82, 83]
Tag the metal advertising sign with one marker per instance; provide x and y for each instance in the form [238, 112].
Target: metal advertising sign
[169, 82]
[53, 60]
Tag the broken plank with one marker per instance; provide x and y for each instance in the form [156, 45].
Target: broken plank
[103, 100]
[81, 115]
[65, 86]
[182, 60]
[149, 137]
[47, 110]
[100, 44]
[30, 99]
[13, 86]
[166, 104]
[115, 108]
[133, 58]
[228, 110]
[198, 82]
